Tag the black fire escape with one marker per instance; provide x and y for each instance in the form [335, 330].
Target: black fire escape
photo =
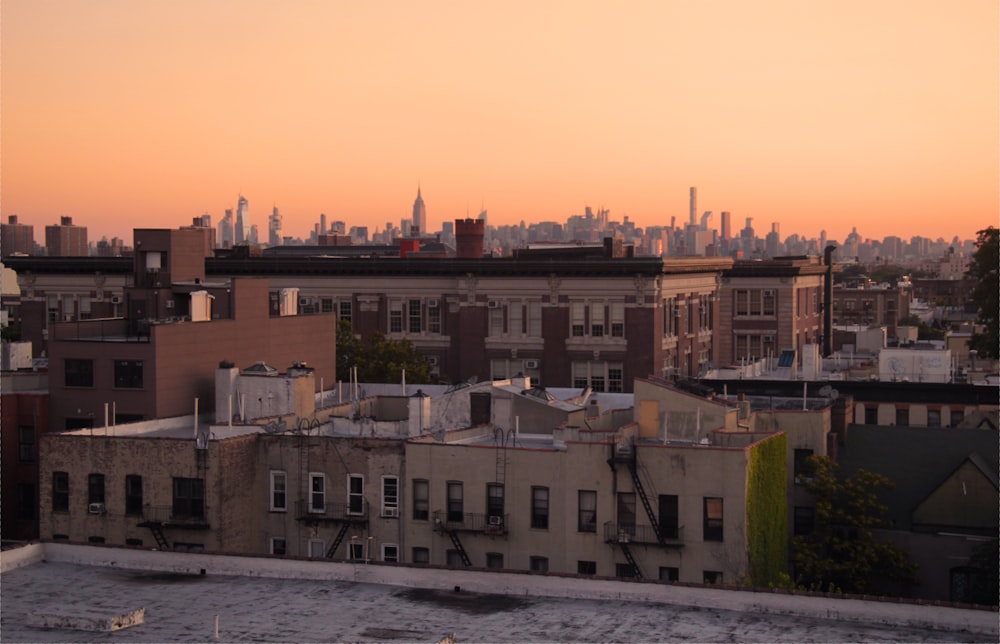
[347, 515]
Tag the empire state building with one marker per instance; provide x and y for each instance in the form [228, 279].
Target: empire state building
[419, 215]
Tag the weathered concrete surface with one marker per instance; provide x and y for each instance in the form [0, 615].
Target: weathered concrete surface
[87, 619]
[281, 600]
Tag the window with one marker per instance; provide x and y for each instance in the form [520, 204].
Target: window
[535, 319]
[326, 305]
[317, 492]
[355, 494]
[957, 415]
[539, 564]
[615, 378]
[496, 321]
[434, 319]
[60, 492]
[586, 567]
[801, 463]
[625, 571]
[903, 416]
[395, 317]
[742, 306]
[95, 539]
[713, 519]
[453, 558]
[577, 320]
[515, 325]
[128, 374]
[414, 316]
[26, 444]
[540, 508]
[421, 555]
[345, 311]
[421, 500]
[668, 516]
[189, 498]
[456, 509]
[494, 560]
[597, 312]
[871, 415]
[26, 501]
[390, 496]
[278, 546]
[617, 320]
[804, 520]
[669, 573]
[79, 372]
[933, 417]
[711, 577]
[279, 491]
[317, 548]
[494, 501]
[95, 488]
[768, 300]
[390, 552]
[133, 494]
[586, 511]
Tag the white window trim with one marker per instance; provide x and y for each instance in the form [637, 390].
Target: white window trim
[312, 477]
[350, 494]
[390, 545]
[389, 509]
[322, 548]
[271, 541]
[274, 475]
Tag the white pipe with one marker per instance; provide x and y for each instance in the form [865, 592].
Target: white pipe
[114, 413]
[404, 382]
[340, 392]
[230, 410]
[105, 418]
[196, 418]
[805, 386]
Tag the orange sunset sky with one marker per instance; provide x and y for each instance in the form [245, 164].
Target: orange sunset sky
[818, 114]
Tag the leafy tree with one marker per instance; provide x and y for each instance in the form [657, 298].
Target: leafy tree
[984, 269]
[379, 359]
[842, 553]
[11, 333]
[985, 588]
[924, 330]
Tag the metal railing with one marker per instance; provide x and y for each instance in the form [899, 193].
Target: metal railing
[170, 516]
[638, 533]
[357, 511]
[471, 522]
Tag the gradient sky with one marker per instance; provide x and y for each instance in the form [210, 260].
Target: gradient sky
[818, 114]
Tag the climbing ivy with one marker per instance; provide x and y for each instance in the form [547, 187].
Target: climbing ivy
[767, 511]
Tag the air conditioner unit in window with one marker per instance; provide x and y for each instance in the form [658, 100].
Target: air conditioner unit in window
[768, 292]
[768, 338]
[116, 299]
[96, 508]
[304, 301]
[493, 304]
[496, 521]
[170, 304]
[433, 360]
[531, 364]
[390, 512]
[432, 304]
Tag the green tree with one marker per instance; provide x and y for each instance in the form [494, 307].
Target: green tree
[379, 359]
[11, 333]
[842, 552]
[984, 269]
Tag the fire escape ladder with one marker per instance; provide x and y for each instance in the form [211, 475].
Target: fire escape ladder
[631, 559]
[459, 547]
[161, 539]
[641, 491]
[501, 440]
[337, 541]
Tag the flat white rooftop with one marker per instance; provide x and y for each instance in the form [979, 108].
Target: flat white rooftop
[320, 601]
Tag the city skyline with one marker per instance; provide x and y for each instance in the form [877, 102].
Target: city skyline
[800, 115]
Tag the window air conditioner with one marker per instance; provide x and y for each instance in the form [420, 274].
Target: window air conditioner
[493, 304]
[170, 304]
[496, 521]
[433, 360]
[96, 508]
[768, 292]
[390, 512]
[432, 304]
[116, 299]
[531, 364]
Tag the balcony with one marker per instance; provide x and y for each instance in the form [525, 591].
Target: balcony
[188, 515]
[351, 512]
[471, 522]
[641, 534]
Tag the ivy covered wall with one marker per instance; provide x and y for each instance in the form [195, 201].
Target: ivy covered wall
[767, 511]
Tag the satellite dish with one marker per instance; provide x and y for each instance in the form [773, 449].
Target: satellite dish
[829, 392]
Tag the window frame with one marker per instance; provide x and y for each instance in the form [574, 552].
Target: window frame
[455, 503]
[276, 544]
[128, 374]
[194, 500]
[60, 491]
[713, 518]
[96, 491]
[26, 443]
[278, 493]
[317, 494]
[582, 524]
[81, 376]
[389, 500]
[356, 494]
[421, 499]
[133, 495]
[539, 507]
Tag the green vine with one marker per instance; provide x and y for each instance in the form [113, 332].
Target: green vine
[767, 511]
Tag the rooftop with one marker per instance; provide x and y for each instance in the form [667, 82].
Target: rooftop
[284, 600]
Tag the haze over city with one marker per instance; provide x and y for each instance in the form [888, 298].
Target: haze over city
[819, 115]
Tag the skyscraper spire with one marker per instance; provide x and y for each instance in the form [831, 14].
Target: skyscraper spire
[419, 213]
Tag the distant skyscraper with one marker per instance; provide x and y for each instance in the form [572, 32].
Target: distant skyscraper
[66, 240]
[693, 216]
[419, 214]
[726, 231]
[274, 228]
[322, 224]
[16, 238]
[252, 238]
[227, 236]
[242, 220]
